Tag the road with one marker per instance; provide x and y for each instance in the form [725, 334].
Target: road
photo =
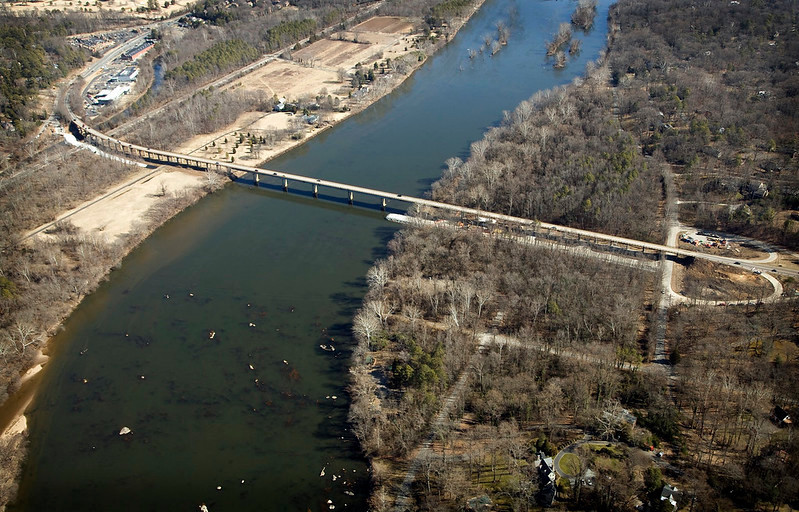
[565, 233]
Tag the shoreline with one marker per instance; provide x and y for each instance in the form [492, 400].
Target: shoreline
[20, 400]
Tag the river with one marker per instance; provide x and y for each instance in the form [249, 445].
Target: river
[249, 418]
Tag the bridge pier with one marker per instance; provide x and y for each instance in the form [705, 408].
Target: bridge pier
[285, 185]
[316, 191]
[350, 197]
[383, 204]
[256, 178]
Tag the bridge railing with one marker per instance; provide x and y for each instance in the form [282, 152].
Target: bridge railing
[207, 164]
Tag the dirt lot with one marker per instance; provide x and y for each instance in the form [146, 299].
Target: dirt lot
[386, 36]
[118, 211]
[334, 54]
[289, 80]
[386, 24]
[735, 247]
[705, 280]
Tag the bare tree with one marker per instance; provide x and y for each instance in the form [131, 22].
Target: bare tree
[366, 325]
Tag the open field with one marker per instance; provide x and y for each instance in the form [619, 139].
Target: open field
[288, 79]
[386, 25]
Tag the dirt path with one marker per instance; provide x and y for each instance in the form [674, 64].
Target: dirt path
[404, 495]
[117, 210]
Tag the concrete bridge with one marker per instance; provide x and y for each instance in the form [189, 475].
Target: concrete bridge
[526, 226]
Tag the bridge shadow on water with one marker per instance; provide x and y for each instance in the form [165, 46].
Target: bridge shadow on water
[323, 200]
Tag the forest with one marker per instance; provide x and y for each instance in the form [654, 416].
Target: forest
[495, 352]
[221, 57]
[33, 55]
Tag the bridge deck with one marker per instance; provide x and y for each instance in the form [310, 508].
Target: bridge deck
[205, 163]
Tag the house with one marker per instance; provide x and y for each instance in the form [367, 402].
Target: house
[547, 494]
[669, 493]
[756, 190]
[620, 417]
[545, 467]
[628, 418]
[780, 417]
[546, 480]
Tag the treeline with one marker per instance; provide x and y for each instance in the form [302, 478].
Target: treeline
[435, 13]
[204, 112]
[447, 10]
[222, 56]
[289, 32]
[216, 12]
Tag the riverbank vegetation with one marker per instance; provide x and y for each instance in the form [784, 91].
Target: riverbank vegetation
[528, 350]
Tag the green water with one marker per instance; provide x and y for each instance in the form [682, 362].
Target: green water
[293, 267]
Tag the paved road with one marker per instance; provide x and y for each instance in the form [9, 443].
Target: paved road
[566, 233]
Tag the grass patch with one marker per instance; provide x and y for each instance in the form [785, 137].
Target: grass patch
[570, 464]
[607, 449]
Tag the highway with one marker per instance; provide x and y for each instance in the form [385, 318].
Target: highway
[530, 225]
